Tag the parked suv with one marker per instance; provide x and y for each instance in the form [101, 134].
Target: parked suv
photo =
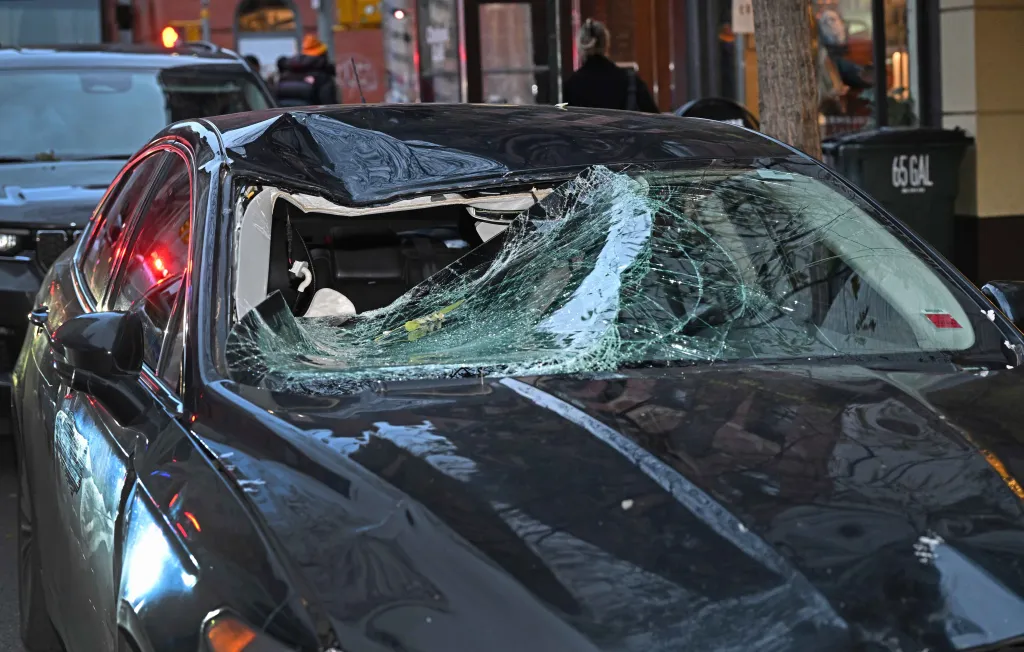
[70, 117]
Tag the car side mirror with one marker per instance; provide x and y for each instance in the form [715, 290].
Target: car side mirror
[101, 354]
[1008, 296]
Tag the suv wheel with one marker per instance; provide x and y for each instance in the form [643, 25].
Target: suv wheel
[37, 632]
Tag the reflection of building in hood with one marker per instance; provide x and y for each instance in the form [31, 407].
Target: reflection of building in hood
[890, 453]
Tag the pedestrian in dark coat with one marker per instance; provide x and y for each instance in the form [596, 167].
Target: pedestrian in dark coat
[307, 78]
[599, 83]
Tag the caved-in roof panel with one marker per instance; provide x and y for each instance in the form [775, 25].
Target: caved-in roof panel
[371, 154]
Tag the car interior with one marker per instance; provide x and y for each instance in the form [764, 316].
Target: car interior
[328, 260]
[324, 265]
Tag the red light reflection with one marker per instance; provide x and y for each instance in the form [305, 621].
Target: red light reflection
[195, 523]
[159, 268]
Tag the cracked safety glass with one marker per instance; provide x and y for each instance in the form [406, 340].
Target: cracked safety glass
[643, 268]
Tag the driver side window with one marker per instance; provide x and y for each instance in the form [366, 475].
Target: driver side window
[108, 237]
[152, 271]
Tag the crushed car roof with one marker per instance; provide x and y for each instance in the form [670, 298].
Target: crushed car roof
[365, 154]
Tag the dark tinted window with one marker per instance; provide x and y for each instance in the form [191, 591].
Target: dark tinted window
[200, 91]
[98, 261]
[151, 275]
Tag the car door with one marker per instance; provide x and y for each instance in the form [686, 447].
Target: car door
[150, 272]
[70, 290]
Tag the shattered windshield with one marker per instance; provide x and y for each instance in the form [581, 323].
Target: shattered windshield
[618, 270]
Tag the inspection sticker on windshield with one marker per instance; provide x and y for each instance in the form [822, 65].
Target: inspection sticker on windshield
[941, 319]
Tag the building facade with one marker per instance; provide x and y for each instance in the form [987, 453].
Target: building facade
[270, 29]
[943, 63]
[981, 56]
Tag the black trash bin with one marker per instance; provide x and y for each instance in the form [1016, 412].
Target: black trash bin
[914, 172]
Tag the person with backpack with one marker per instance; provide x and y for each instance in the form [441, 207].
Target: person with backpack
[307, 78]
[601, 84]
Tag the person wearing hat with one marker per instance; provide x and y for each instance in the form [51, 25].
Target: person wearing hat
[307, 78]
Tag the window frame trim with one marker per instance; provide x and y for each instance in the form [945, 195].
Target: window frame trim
[96, 220]
[117, 278]
[131, 229]
[149, 378]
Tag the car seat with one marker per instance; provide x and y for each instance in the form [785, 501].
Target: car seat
[286, 248]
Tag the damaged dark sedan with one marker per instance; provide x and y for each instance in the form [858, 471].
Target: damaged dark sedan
[444, 378]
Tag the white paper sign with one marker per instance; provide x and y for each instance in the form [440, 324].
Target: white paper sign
[742, 16]
[437, 38]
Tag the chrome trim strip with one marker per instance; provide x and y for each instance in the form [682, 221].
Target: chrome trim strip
[78, 283]
[156, 385]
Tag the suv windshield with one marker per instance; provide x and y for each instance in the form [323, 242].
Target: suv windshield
[110, 113]
[610, 271]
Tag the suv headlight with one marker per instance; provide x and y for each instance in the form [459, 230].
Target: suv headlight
[11, 242]
[225, 633]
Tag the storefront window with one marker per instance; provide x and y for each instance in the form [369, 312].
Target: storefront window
[265, 16]
[844, 31]
[843, 37]
[49, 22]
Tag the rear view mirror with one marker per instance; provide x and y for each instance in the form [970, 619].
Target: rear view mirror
[1008, 296]
[101, 354]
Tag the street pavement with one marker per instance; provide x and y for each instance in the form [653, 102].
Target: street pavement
[9, 639]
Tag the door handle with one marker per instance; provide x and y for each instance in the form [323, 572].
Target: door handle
[39, 316]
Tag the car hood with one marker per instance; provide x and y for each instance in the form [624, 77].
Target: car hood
[730, 508]
[53, 194]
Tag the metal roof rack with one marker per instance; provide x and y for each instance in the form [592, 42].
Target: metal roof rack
[213, 47]
[204, 45]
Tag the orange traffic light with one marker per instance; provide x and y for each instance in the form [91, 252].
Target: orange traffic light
[169, 37]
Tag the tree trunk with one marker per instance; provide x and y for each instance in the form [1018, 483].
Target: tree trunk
[787, 74]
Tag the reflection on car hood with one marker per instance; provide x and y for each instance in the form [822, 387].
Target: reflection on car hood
[55, 194]
[728, 508]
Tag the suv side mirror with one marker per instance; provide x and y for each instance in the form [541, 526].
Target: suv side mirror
[1008, 296]
[101, 354]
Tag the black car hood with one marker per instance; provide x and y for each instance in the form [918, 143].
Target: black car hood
[53, 194]
[731, 508]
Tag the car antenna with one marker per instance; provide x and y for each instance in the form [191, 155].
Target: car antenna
[355, 72]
